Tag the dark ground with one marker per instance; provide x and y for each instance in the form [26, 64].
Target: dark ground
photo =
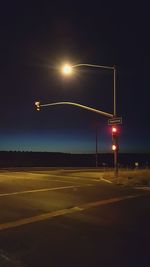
[115, 234]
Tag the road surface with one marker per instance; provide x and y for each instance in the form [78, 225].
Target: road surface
[56, 218]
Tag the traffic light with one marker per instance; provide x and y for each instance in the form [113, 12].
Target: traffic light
[114, 131]
[37, 104]
[114, 147]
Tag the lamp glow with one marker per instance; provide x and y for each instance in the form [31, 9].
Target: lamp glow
[67, 69]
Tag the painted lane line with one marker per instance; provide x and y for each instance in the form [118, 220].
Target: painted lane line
[38, 218]
[49, 215]
[7, 260]
[46, 177]
[73, 177]
[40, 179]
[142, 187]
[61, 181]
[4, 256]
[40, 190]
[108, 201]
[105, 180]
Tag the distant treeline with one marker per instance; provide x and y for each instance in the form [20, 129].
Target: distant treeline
[50, 159]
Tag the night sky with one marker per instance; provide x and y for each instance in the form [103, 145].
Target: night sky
[37, 37]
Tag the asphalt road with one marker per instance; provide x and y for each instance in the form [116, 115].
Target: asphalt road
[55, 218]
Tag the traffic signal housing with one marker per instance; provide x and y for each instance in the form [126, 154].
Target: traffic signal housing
[37, 105]
[114, 131]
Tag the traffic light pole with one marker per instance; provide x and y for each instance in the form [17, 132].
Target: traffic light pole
[116, 158]
[116, 138]
[96, 163]
[115, 149]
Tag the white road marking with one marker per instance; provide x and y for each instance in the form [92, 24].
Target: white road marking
[46, 216]
[8, 261]
[46, 176]
[40, 190]
[70, 177]
[105, 180]
[4, 256]
[142, 187]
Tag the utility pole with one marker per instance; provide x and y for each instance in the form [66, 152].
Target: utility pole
[96, 147]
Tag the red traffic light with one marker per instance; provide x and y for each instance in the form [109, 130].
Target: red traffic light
[114, 129]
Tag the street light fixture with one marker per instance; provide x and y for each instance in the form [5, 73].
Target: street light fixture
[67, 69]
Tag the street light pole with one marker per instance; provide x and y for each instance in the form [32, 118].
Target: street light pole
[96, 161]
[114, 107]
[116, 138]
[114, 69]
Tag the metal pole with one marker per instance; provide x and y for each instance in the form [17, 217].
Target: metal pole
[116, 141]
[96, 147]
[116, 163]
[114, 91]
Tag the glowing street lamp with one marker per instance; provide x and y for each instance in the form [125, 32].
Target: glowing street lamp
[67, 69]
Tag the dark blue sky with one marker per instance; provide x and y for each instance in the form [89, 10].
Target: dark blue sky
[36, 37]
